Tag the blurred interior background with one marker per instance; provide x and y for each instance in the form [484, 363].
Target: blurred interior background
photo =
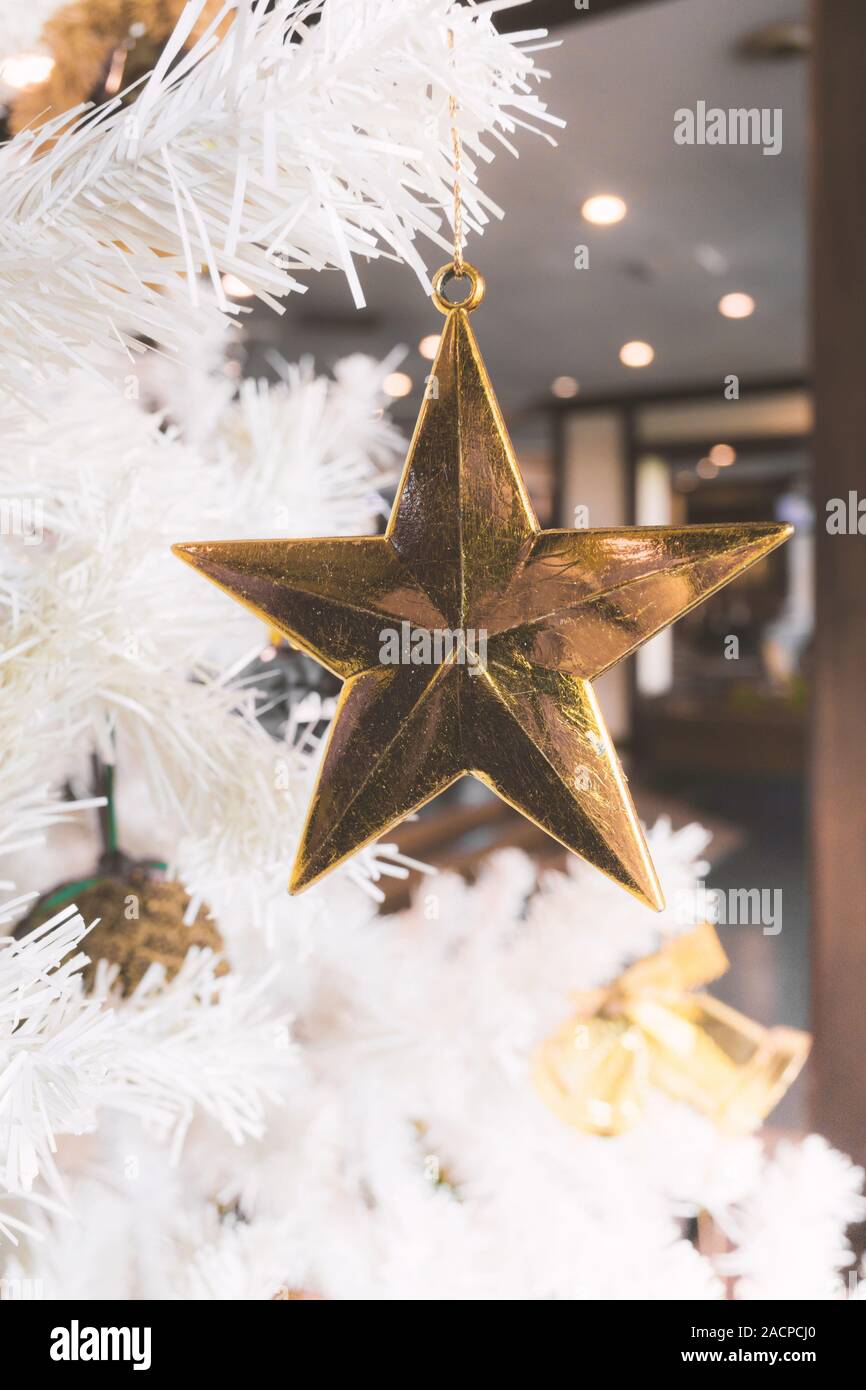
[661, 350]
[695, 256]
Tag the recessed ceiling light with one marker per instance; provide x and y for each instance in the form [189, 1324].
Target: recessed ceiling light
[636, 354]
[236, 287]
[429, 346]
[705, 468]
[26, 70]
[736, 305]
[397, 384]
[722, 455]
[564, 387]
[604, 209]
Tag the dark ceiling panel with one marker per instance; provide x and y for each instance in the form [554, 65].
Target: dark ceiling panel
[548, 14]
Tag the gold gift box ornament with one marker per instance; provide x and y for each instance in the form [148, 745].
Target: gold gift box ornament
[649, 1031]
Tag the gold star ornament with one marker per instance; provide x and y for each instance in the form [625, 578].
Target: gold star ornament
[468, 638]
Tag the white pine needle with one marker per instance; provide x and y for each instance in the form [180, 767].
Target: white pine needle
[289, 146]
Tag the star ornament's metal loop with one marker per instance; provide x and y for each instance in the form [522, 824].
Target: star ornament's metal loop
[444, 276]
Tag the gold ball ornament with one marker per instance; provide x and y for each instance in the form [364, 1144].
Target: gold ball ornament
[141, 921]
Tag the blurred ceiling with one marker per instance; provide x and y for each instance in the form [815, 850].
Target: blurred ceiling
[701, 221]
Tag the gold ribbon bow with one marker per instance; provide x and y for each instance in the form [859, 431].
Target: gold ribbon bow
[648, 1030]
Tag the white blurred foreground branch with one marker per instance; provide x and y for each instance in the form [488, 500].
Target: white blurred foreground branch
[196, 1043]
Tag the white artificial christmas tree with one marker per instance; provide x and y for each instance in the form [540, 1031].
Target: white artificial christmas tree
[348, 1109]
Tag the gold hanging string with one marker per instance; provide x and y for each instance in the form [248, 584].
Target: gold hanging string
[458, 156]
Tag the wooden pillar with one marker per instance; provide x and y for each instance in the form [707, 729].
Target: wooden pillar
[839, 716]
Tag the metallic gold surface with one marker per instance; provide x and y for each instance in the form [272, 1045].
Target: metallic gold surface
[463, 552]
[139, 921]
[648, 1031]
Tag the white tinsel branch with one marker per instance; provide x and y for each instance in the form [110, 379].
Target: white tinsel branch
[411, 1157]
[54, 1049]
[311, 135]
[807, 1257]
[202, 1043]
[101, 627]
